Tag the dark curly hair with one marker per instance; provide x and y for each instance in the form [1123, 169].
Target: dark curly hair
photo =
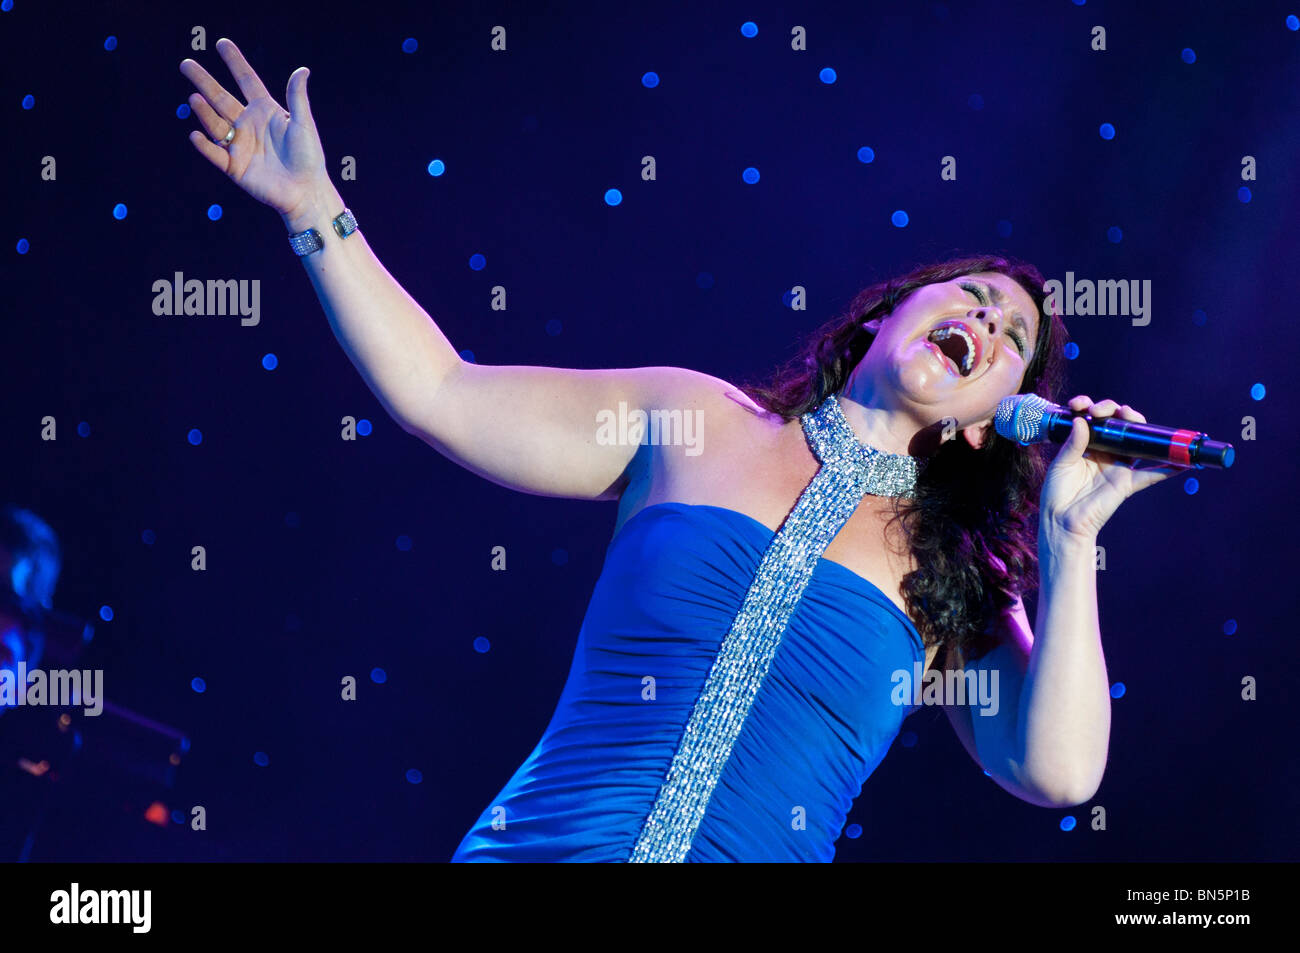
[972, 523]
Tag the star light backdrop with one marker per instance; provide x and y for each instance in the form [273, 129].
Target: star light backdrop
[773, 167]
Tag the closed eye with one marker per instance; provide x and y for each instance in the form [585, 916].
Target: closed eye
[982, 298]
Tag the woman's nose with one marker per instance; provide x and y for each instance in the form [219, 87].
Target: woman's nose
[991, 316]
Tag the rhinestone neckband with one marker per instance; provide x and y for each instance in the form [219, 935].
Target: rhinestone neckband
[833, 440]
[849, 471]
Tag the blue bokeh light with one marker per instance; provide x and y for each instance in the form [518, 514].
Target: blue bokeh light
[866, 155]
[364, 427]
[148, 537]
[410, 45]
[404, 543]
[1199, 318]
[976, 101]
[23, 245]
[613, 197]
[214, 212]
[1068, 823]
[477, 262]
[437, 167]
[650, 80]
[106, 613]
[1117, 690]
[899, 218]
[1189, 55]
[195, 437]
[414, 776]
[749, 28]
[482, 645]
[378, 676]
[183, 111]
[1191, 485]
[1115, 234]
[83, 429]
[853, 831]
[1257, 391]
[1230, 627]
[1243, 194]
[554, 327]
[261, 759]
[1071, 351]
[1107, 131]
[110, 43]
[750, 175]
[119, 211]
[827, 75]
[199, 685]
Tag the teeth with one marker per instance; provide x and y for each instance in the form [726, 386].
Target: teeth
[948, 331]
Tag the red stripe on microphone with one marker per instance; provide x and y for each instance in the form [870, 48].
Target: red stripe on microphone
[1180, 447]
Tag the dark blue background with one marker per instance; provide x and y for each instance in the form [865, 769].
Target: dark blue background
[532, 138]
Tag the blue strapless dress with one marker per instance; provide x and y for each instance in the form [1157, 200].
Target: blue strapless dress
[674, 578]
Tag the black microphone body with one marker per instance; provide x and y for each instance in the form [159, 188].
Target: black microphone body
[1028, 418]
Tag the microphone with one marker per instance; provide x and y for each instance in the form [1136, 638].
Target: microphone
[1028, 418]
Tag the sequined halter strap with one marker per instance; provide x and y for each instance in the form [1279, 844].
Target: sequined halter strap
[849, 471]
[837, 447]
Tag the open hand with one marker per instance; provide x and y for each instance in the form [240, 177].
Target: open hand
[275, 155]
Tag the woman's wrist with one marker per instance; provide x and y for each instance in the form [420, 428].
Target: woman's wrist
[318, 208]
[1058, 547]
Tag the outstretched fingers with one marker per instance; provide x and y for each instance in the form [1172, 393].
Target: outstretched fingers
[250, 84]
[295, 93]
[225, 105]
[216, 125]
[211, 151]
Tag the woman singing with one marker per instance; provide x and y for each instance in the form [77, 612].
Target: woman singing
[749, 651]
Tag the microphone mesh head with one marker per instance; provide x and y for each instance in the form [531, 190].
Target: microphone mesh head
[1020, 418]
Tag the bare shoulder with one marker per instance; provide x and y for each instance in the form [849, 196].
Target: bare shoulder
[721, 406]
[701, 439]
[686, 384]
[685, 381]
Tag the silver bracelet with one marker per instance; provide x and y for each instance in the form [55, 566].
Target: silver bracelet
[306, 242]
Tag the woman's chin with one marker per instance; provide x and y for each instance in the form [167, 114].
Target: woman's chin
[927, 386]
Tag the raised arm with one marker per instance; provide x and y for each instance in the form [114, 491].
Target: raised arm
[533, 429]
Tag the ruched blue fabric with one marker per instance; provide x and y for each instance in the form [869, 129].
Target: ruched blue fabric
[825, 715]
